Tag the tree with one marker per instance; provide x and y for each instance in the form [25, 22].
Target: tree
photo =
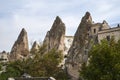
[42, 64]
[45, 64]
[104, 62]
[11, 71]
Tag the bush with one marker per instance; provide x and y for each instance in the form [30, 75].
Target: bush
[104, 63]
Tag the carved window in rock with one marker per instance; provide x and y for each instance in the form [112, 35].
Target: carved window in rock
[69, 40]
[94, 31]
[86, 51]
[108, 38]
[100, 28]
[88, 28]
[118, 25]
[88, 34]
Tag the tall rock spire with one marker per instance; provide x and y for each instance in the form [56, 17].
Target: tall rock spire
[20, 48]
[77, 53]
[55, 37]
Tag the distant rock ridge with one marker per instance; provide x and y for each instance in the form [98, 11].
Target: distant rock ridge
[55, 37]
[77, 53]
[20, 48]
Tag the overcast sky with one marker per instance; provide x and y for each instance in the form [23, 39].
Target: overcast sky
[37, 16]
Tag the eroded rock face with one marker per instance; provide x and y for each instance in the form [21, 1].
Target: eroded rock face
[77, 53]
[35, 48]
[20, 48]
[55, 37]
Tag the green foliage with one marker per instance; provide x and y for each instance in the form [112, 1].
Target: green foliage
[104, 63]
[61, 75]
[45, 64]
[0, 66]
[42, 64]
[11, 71]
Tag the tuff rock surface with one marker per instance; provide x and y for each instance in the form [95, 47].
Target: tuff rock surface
[77, 53]
[55, 37]
[20, 48]
[35, 47]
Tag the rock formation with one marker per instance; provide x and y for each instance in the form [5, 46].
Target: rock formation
[4, 56]
[20, 48]
[35, 48]
[55, 37]
[77, 53]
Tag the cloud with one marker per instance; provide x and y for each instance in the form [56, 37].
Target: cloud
[37, 16]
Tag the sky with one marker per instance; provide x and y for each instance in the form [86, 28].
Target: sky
[37, 17]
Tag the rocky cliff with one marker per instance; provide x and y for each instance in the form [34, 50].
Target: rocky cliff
[77, 53]
[55, 37]
[20, 48]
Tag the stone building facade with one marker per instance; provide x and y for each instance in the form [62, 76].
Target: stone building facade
[100, 31]
[109, 33]
[104, 31]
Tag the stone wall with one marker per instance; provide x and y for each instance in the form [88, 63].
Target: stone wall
[95, 28]
[108, 33]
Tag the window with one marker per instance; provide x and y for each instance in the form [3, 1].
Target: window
[108, 38]
[100, 28]
[118, 25]
[69, 40]
[94, 31]
[86, 51]
[87, 34]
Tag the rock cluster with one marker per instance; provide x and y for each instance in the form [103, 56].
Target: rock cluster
[55, 37]
[88, 33]
[20, 48]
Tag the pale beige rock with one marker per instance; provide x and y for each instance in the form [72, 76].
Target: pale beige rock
[20, 48]
[35, 46]
[77, 53]
[55, 37]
